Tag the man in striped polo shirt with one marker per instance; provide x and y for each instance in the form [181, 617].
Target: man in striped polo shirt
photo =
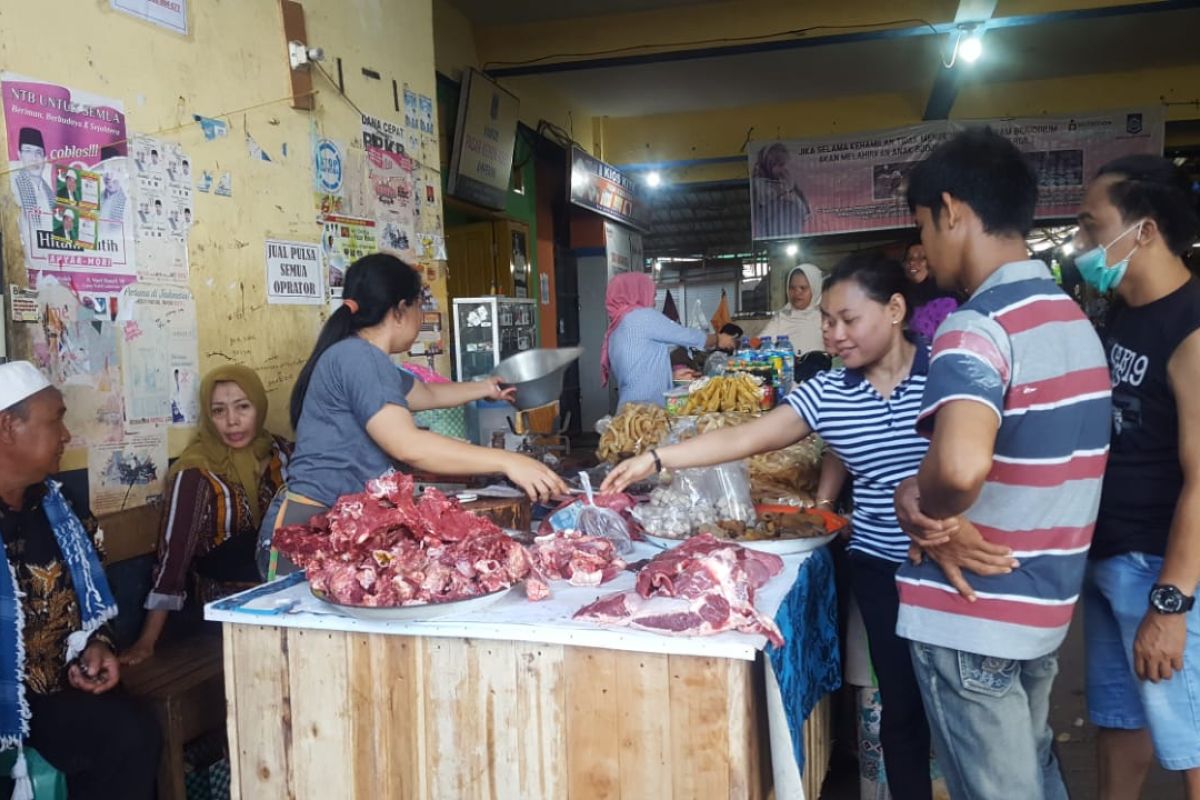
[1017, 405]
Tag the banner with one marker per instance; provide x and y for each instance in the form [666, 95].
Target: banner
[858, 183]
[69, 177]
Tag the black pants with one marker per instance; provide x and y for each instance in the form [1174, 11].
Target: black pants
[107, 745]
[903, 729]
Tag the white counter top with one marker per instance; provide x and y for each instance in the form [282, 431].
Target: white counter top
[287, 602]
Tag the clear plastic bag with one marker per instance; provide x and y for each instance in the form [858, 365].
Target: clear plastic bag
[595, 520]
[697, 497]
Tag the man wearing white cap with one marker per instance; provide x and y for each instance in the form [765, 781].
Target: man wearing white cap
[57, 665]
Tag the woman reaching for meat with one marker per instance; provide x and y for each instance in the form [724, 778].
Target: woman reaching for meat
[867, 415]
[352, 408]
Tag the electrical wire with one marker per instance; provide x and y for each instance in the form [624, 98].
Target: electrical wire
[342, 93]
[177, 128]
[796, 33]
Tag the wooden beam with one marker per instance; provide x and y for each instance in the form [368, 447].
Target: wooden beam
[294, 31]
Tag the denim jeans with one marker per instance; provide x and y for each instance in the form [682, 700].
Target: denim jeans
[989, 720]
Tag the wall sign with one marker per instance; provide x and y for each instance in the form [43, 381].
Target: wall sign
[294, 273]
[484, 138]
[606, 190]
[169, 14]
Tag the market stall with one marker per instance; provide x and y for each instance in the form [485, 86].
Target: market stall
[516, 700]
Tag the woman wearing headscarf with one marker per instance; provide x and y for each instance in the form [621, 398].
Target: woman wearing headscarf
[800, 319]
[217, 492]
[638, 342]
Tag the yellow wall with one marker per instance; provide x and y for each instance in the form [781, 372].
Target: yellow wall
[716, 134]
[455, 44]
[234, 58]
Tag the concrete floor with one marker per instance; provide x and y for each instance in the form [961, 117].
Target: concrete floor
[1076, 742]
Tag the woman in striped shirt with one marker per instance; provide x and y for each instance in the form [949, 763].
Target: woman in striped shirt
[218, 490]
[866, 413]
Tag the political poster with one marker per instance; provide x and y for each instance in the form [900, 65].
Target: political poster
[69, 177]
[858, 183]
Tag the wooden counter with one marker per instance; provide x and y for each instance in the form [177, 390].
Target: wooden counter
[369, 717]
[515, 701]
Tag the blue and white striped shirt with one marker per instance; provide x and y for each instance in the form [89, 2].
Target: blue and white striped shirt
[639, 354]
[877, 441]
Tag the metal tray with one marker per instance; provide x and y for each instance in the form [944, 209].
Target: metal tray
[419, 612]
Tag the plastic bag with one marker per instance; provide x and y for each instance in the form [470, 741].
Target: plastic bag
[697, 497]
[596, 520]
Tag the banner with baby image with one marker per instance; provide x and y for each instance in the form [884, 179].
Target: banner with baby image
[858, 183]
[68, 175]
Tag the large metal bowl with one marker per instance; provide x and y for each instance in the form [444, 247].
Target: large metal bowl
[537, 374]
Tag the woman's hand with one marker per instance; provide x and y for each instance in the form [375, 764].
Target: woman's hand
[726, 342]
[635, 469]
[494, 389]
[139, 652]
[535, 478]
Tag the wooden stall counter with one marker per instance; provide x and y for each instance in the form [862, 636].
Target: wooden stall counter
[514, 701]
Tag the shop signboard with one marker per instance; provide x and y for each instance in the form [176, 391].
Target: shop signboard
[484, 138]
[606, 190]
[858, 183]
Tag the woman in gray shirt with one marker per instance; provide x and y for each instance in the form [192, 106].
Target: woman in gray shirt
[351, 407]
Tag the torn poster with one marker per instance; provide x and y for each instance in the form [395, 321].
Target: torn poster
[390, 171]
[74, 343]
[129, 473]
[294, 273]
[23, 304]
[68, 173]
[205, 183]
[172, 310]
[224, 185]
[212, 128]
[344, 240]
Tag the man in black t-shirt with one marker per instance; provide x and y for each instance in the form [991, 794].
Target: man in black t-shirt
[1142, 625]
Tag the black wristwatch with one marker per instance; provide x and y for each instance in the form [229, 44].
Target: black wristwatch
[1168, 599]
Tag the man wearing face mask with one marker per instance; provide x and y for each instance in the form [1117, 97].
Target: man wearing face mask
[1140, 610]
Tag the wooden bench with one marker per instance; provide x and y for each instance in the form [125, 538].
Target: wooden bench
[184, 681]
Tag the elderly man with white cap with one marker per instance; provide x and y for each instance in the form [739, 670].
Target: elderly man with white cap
[58, 671]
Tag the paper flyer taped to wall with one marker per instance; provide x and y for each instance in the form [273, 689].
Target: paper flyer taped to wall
[75, 345]
[69, 178]
[172, 310]
[129, 473]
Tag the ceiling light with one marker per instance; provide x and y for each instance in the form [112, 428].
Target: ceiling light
[653, 179]
[792, 250]
[970, 48]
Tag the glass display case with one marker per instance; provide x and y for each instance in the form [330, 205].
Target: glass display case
[488, 330]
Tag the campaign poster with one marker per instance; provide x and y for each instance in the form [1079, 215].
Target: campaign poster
[68, 174]
[858, 183]
[162, 188]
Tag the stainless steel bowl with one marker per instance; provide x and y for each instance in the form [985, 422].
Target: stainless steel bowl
[537, 374]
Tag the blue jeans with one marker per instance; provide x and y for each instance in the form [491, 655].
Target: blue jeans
[1115, 599]
[989, 720]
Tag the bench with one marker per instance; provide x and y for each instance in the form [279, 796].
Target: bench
[184, 682]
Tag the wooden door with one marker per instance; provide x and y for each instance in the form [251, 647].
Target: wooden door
[471, 259]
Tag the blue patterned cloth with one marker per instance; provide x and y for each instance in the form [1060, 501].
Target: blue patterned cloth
[809, 665]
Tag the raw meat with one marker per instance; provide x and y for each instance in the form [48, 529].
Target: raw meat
[702, 587]
[576, 558]
[381, 548]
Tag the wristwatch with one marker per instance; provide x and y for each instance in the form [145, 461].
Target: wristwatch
[1168, 599]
